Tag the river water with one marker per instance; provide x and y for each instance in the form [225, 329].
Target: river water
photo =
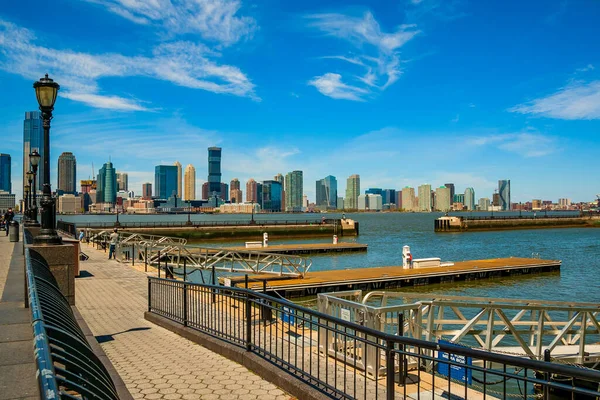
[386, 233]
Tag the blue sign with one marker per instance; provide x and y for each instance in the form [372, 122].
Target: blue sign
[462, 374]
[288, 316]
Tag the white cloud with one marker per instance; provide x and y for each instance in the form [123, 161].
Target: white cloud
[331, 85]
[525, 144]
[577, 100]
[587, 68]
[214, 20]
[181, 63]
[379, 61]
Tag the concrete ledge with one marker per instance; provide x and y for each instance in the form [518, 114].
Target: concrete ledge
[116, 378]
[254, 363]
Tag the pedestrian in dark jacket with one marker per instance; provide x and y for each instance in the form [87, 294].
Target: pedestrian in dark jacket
[8, 216]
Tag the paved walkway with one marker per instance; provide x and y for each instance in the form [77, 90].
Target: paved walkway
[154, 362]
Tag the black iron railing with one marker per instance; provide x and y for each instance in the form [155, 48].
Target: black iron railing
[67, 227]
[66, 365]
[297, 340]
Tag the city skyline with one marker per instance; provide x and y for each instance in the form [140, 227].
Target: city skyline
[452, 106]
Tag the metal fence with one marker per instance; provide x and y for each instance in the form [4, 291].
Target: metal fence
[66, 364]
[67, 227]
[296, 339]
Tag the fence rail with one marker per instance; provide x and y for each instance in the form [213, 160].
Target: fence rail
[67, 227]
[208, 224]
[297, 339]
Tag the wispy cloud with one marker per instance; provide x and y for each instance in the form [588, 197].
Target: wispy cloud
[331, 85]
[214, 20]
[578, 100]
[379, 61]
[587, 68]
[181, 63]
[455, 119]
[525, 144]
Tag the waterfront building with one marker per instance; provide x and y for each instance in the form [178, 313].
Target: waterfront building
[340, 203]
[107, 184]
[305, 201]
[425, 198]
[361, 202]
[504, 194]
[442, 199]
[67, 173]
[294, 188]
[224, 191]
[214, 172]
[5, 173]
[536, 204]
[352, 192]
[458, 198]
[7, 200]
[378, 191]
[484, 204]
[399, 199]
[88, 185]
[271, 196]
[279, 178]
[122, 181]
[496, 200]
[33, 138]
[389, 196]
[564, 203]
[251, 191]
[147, 191]
[165, 181]
[179, 188]
[326, 192]
[408, 199]
[205, 191]
[452, 191]
[70, 204]
[375, 202]
[469, 198]
[189, 183]
[235, 193]
[234, 208]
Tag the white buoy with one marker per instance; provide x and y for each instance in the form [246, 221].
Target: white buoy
[406, 257]
[265, 239]
[334, 239]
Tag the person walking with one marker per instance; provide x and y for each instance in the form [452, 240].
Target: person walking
[114, 239]
[8, 216]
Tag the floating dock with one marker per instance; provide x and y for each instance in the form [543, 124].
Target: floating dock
[394, 277]
[497, 223]
[305, 248]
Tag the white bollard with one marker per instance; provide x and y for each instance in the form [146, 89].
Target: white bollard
[265, 239]
[334, 239]
[406, 257]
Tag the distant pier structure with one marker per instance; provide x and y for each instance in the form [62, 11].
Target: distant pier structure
[463, 224]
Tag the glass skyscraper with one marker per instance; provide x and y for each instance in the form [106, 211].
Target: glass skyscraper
[33, 138]
[67, 173]
[326, 192]
[271, 196]
[504, 194]
[294, 188]
[470, 198]
[5, 173]
[352, 192]
[165, 181]
[106, 191]
[214, 171]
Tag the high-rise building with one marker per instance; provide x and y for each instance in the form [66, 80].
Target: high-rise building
[123, 181]
[271, 196]
[452, 191]
[326, 192]
[179, 187]
[469, 198]
[107, 184]
[189, 179]
[67, 173]
[251, 192]
[378, 191]
[165, 181]
[388, 196]
[484, 204]
[442, 199]
[408, 199]
[147, 191]
[352, 191]
[425, 198]
[33, 138]
[214, 172]
[294, 189]
[235, 193]
[205, 191]
[458, 198]
[504, 194]
[5, 173]
[224, 191]
[87, 185]
[279, 178]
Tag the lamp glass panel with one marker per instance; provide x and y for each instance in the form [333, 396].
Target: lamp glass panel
[46, 95]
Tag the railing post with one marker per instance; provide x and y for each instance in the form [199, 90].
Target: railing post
[214, 293]
[149, 295]
[401, 369]
[248, 322]
[185, 305]
[246, 281]
[390, 370]
[158, 263]
[133, 254]
[184, 269]
[547, 358]
[146, 258]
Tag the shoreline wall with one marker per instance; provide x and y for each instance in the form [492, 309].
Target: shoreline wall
[459, 224]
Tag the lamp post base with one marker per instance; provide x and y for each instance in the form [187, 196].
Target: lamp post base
[31, 223]
[48, 237]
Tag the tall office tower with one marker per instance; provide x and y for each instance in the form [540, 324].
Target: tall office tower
[205, 191]
[33, 138]
[484, 204]
[67, 173]
[107, 184]
[189, 183]
[224, 191]
[442, 199]
[5, 173]
[304, 201]
[326, 192]
[214, 171]
[378, 191]
[147, 191]
[408, 199]
[452, 190]
[279, 178]
[388, 196]
[352, 191]
[165, 181]
[87, 185]
[399, 199]
[271, 196]
[123, 181]
[294, 189]
[504, 194]
[179, 188]
[235, 193]
[469, 198]
[458, 198]
[425, 197]
[251, 195]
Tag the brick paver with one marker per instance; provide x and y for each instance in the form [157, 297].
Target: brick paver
[154, 362]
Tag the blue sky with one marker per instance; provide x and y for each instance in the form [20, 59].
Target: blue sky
[400, 92]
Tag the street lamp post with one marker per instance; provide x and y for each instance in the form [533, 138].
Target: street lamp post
[30, 193]
[189, 209]
[45, 91]
[34, 159]
[27, 199]
[520, 209]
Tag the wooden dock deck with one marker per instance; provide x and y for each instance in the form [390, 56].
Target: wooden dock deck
[394, 277]
[306, 248]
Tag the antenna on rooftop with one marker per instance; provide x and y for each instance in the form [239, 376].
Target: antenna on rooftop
[93, 174]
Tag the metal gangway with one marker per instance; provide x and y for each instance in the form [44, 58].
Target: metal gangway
[566, 332]
[175, 252]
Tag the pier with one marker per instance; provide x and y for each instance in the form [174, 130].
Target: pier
[308, 248]
[494, 223]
